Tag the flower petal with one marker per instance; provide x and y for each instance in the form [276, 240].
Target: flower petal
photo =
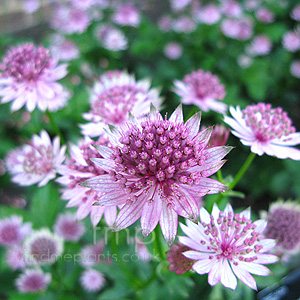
[168, 223]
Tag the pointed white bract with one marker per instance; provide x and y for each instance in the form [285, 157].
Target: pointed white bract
[227, 245]
[158, 170]
[266, 130]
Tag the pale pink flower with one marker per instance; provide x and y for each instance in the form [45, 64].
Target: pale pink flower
[31, 6]
[202, 89]
[36, 162]
[92, 280]
[261, 45]
[32, 281]
[111, 38]
[173, 51]
[295, 14]
[76, 172]
[237, 29]
[13, 230]
[42, 247]
[92, 254]
[142, 250]
[165, 23]
[252, 4]
[29, 76]
[295, 68]
[264, 15]
[178, 262]
[244, 61]
[127, 15]
[284, 225]
[291, 41]
[184, 24]
[179, 5]
[114, 96]
[209, 14]
[63, 49]
[231, 8]
[82, 4]
[15, 257]
[157, 168]
[68, 227]
[70, 20]
[266, 130]
[226, 245]
[219, 136]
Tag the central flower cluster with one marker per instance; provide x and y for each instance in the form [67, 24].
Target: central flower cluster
[205, 85]
[161, 152]
[26, 63]
[267, 122]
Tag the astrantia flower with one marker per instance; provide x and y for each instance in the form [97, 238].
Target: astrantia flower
[114, 95]
[15, 257]
[82, 4]
[184, 24]
[261, 45]
[173, 51]
[92, 254]
[231, 8]
[264, 15]
[202, 89]
[157, 170]
[127, 15]
[266, 129]
[63, 49]
[36, 162]
[76, 172]
[179, 5]
[29, 76]
[165, 23]
[92, 280]
[219, 136]
[32, 281]
[209, 14]
[291, 41]
[284, 225]
[68, 227]
[42, 247]
[295, 14]
[226, 245]
[237, 29]
[178, 262]
[295, 68]
[13, 231]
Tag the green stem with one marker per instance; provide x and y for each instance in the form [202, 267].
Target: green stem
[158, 244]
[242, 170]
[220, 176]
[54, 126]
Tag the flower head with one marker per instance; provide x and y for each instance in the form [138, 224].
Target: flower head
[92, 280]
[225, 244]
[295, 68]
[29, 76]
[13, 231]
[15, 257]
[239, 29]
[157, 169]
[202, 89]
[63, 49]
[114, 96]
[42, 247]
[184, 24]
[36, 162]
[266, 129]
[178, 262]
[173, 51]
[209, 14]
[219, 136]
[261, 45]
[127, 15]
[68, 227]
[92, 254]
[32, 281]
[284, 225]
[264, 15]
[291, 41]
[295, 14]
[75, 172]
[231, 8]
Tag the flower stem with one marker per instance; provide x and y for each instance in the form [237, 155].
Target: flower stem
[54, 126]
[158, 244]
[242, 170]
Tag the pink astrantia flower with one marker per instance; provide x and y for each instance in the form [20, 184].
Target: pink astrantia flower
[295, 14]
[127, 15]
[202, 89]
[231, 8]
[291, 41]
[68, 227]
[266, 129]
[261, 45]
[178, 262]
[241, 29]
[92, 280]
[165, 23]
[114, 95]
[82, 4]
[63, 49]
[226, 245]
[13, 230]
[209, 14]
[31, 6]
[295, 68]
[173, 51]
[36, 162]
[264, 15]
[92, 254]
[184, 24]
[15, 257]
[29, 76]
[219, 136]
[158, 168]
[76, 172]
[179, 5]
[32, 281]
[284, 225]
